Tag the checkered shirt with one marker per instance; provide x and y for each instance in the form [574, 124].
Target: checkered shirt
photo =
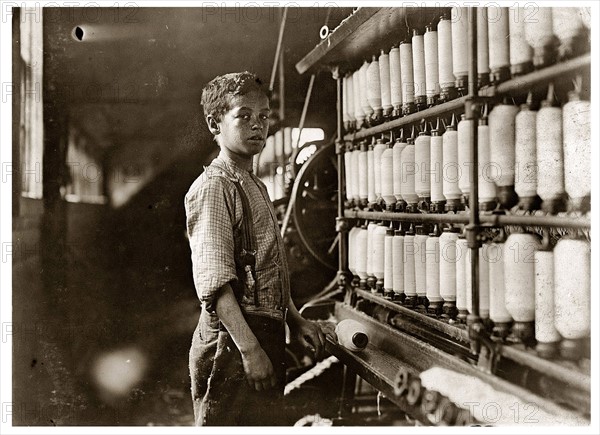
[214, 214]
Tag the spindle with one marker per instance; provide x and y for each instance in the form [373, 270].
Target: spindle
[407, 173]
[410, 285]
[359, 115]
[371, 279]
[432, 251]
[348, 171]
[372, 198]
[364, 92]
[418, 52]
[521, 53]
[398, 260]
[483, 57]
[577, 149]
[361, 254]
[549, 154]
[460, 49]
[399, 146]
[384, 76]
[498, 314]
[423, 165]
[539, 34]
[451, 170]
[567, 25]
[499, 44]
[445, 56]
[502, 151]
[363, 174]
[572, 298]
[350, 103]
[420, 242]
[379, 234]
[388, 279]
[525, 156]
[352, 335]
[432, 81]
[407, 78]
[487, 186]
[387, 176]
[438, 200]
[448, 260]
[519, 281]
[378, 150]
[545, 332]
[462, 250]
[464, 156]
[395, 81]
[374, 90]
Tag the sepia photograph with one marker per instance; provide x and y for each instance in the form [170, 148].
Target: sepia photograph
[293, 214]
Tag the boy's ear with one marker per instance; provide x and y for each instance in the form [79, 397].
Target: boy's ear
[213, 125]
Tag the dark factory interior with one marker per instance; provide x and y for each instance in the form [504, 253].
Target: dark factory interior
[108, 134]
[104, 276]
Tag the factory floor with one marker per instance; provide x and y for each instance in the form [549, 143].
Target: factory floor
[53, 365]
[102, 327]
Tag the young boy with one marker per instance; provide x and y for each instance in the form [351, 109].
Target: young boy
[240, 269]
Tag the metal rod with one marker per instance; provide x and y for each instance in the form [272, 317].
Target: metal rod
[17, 68]
[447, 108]
[539, 79]
[573, 377]
[305, 108]
[472, 114]
[278, 49]
[489, 220]
[282, 87]
[450, 330]
[343, 246]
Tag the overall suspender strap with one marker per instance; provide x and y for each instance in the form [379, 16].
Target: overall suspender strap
[247, 256]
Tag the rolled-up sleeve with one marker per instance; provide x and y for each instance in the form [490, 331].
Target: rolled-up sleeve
[210, 220]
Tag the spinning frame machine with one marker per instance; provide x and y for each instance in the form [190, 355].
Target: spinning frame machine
[419, 342]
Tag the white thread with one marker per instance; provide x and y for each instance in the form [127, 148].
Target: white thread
[577, 148]
[433, 269]
[572, 286]
[418, 52]
[423, 166]
[407, 174]
[502, 144]
[384, 76]
[406, 73]
[545, 332]
[525, 153]
[432, 80]
[460, 49]
[451, 171]
[395, 78]
[446, 75]
[519, 275]
[549, 153]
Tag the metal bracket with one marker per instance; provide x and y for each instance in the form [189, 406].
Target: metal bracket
[341, 224]
[488, 350]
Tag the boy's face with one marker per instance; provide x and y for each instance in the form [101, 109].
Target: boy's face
[244, 128]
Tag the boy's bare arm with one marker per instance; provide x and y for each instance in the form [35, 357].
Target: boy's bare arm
[257, 365]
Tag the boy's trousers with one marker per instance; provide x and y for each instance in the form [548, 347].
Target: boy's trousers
[220, 391]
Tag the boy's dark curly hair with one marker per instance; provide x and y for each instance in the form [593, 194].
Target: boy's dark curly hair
[217, 93]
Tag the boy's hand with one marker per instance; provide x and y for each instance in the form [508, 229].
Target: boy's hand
[258, 368]
[308, 335]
